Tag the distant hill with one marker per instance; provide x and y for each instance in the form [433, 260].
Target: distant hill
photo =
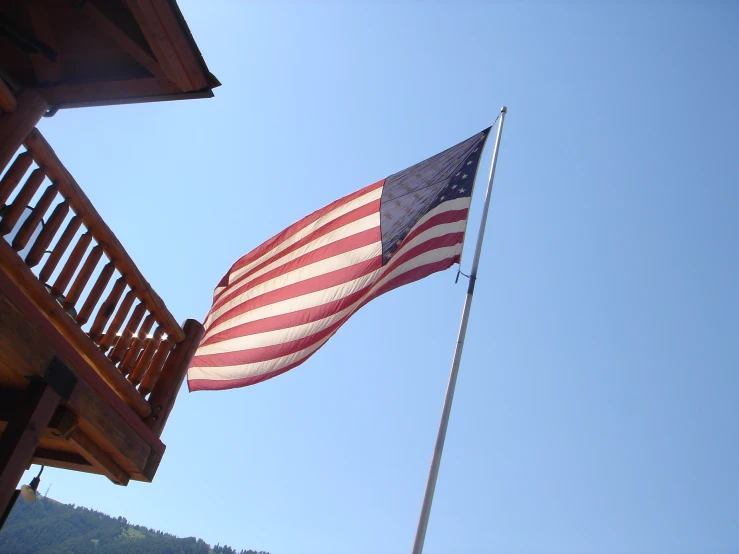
[50, 527]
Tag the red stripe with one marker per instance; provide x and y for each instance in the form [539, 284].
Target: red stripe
[334, 248]
[272, 243]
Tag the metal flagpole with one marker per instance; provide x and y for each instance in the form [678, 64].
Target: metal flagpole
[439, 448]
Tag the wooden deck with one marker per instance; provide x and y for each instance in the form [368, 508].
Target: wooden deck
[70, 294]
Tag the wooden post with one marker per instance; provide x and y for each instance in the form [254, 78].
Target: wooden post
[168, 385]
[31, 417]
[15, 125]
[8, 102]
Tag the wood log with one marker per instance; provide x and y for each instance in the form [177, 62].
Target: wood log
[168, 42]
[60, 248]
[47, 234]
[73, 262]
[164, 394]
[137, 344]
[107, 309]
[47, 71]
[29, 226]
[120, 316]
[99, 458]
[155, 368]
[21, 201]
[112, 30]
[14, 175]
[45, 157]
[16, 125]
[83, 277]
[8, 103]
[95, 294]
[147, 355]
[128, 333]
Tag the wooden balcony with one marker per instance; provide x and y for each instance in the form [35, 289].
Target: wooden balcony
[71, 296]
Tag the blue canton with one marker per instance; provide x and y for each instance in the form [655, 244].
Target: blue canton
[408, 195]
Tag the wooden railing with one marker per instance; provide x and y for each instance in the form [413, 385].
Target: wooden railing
[69, 248]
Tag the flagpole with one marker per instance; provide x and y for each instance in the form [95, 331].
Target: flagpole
[449, 398]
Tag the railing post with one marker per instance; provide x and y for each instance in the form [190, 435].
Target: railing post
[165, 390]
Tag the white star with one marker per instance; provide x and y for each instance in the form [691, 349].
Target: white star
[442, 197]
[464, 176]
[454, 186]
[469, 162]
[461, 190]
[457, 175]
[475, 150]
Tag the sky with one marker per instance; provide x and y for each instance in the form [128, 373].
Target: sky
[596, 407]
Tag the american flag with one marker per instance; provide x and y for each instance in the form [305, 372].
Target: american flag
[282, 301]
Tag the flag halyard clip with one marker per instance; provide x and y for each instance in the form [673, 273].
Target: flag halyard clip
[459, 272]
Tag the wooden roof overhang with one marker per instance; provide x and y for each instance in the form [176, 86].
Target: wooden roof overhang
[77, 53]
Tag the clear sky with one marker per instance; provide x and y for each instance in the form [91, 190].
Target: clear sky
[596, 408]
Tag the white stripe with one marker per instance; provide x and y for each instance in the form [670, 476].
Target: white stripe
[356, 227]
[310, 228]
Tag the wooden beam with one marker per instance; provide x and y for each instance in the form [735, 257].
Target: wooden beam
[99, 458]
[169, 43]
[126, 43]
[175, 368]
[62, 460]
[107, 92]
[15, 126]
[8, 102]
[21, 436]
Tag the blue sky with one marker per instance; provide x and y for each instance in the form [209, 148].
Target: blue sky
[596, 408]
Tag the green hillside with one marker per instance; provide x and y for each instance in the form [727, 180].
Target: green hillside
[49, 527]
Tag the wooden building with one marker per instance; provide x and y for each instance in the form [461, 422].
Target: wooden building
[91, 359]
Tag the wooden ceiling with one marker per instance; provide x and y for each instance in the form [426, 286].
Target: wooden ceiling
[77, 53]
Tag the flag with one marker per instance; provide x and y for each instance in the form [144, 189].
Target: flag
[282, 301]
